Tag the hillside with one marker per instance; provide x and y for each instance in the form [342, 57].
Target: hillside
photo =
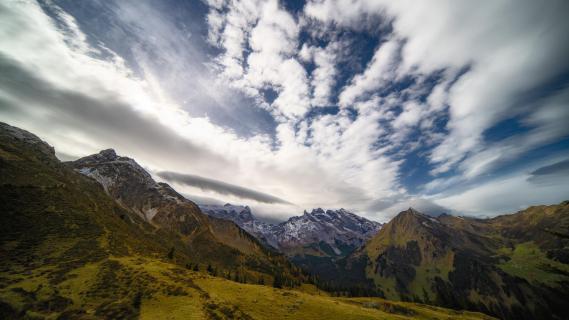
[139, 288]
[70, 251]
[513, 266]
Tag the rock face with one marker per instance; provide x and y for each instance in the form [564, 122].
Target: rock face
[337, 232]
[127, 182]
[330, 233]
[512, 267]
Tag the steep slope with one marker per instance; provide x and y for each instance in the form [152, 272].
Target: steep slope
[513, 267]
[127, 182]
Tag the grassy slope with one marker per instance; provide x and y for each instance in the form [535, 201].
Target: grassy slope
[514, 265]
[528, 261]
[109, 289]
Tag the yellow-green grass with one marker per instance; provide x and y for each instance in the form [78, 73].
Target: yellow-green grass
[529, 262]
[171, 292]
[261, 302]
[166, 307]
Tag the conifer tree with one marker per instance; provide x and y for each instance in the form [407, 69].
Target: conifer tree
[171, 253]
[278, 282]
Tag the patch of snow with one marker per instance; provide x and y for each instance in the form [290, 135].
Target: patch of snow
[84, 171]
[150, 213]
[434, 220]
[94, 173]
[336, 250]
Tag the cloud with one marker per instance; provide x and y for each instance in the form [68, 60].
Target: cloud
[545, 123]
[392, 206]
[556, 168]
[422, 83]
[113, 122]
[91, 102]
[323, 77]
[550, 174]
[379, 71]
[498, 51]
[220, 187]
[259, 40]
[505, 195]
[203, 200]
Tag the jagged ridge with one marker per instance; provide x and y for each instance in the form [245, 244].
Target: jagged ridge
[324, 233]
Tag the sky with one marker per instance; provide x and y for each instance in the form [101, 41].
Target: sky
[369, 105]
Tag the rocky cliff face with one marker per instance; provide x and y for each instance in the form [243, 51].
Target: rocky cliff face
[337, 232]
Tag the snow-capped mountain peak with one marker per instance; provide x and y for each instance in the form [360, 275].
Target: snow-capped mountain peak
[340, 230]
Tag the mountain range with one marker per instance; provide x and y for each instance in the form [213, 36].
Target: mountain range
[314, 241]
[333, 233]
[98, 237]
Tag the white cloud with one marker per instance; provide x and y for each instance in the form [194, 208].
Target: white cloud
[547, 121]
[94, 103]
[505, 195]
[323, 77]
[504, 53]
[271, 34]
[351, 159]
[410, 116]
[380, 70]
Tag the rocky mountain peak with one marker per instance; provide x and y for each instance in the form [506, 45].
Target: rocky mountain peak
[412, 210]
[317, 210]
[235, 213]
[103, 156]
[338, 229]
[107, 167]
[411, 219]
[128, 182]
[108, 154]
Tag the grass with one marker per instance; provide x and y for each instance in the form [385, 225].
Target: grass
[107, 289]
[421, 285]
[529, 262]
[165, 307]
